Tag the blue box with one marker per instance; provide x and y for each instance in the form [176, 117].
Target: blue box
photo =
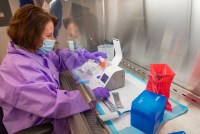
[147, 111]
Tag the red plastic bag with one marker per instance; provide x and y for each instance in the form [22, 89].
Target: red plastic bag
[160, 80]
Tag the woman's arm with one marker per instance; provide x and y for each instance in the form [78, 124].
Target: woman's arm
[67, 60]
[27, 88]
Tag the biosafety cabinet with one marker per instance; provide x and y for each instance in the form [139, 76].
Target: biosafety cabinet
[150, 32]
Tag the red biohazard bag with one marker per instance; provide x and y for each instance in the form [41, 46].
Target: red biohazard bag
[160, 80]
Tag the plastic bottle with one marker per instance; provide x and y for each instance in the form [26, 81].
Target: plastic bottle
[102, 62]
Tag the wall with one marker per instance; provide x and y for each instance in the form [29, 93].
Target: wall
[4, 39]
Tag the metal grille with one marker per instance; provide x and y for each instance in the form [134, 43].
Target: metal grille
[85, 122]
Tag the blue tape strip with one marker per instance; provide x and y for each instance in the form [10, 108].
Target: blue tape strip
[178, 110]
[84, 82]
[135, 77]
[178, 104]
[79, 79]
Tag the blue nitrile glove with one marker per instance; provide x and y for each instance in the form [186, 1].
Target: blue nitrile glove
[94, 55]
[101, 93]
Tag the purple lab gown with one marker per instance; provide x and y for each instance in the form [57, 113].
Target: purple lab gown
[29, 89]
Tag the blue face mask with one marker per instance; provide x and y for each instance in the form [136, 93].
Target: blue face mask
[47, 46]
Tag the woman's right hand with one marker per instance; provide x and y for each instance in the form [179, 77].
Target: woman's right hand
[101, 93]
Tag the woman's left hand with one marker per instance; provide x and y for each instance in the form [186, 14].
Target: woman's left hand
[94, 55]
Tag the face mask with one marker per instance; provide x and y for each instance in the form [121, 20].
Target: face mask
[47, 46]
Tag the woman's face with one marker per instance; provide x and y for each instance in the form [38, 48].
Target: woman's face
[48, 32]
[73, 30]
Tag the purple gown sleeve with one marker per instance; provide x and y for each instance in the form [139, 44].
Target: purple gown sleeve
[27, 88]
[65, 59]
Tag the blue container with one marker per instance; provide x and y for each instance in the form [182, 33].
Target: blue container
[147, 111]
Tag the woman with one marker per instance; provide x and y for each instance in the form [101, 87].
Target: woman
[29, 91]
[73, 34]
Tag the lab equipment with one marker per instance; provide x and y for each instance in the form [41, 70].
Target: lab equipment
[117, 100]
[108, 49]
[101, 93]
[109, 105]
[88, 68]
[147, 111]
[113, 115]
[118, 53]
[77, 44]
[161, 76]
[102, 62]
[71, 45]
[113, 76]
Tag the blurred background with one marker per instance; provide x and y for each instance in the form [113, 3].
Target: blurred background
[150, 31]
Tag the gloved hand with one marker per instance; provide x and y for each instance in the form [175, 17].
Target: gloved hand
[94, 55]
[101, 93]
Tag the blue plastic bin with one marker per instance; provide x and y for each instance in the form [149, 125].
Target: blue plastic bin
[147, 111]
